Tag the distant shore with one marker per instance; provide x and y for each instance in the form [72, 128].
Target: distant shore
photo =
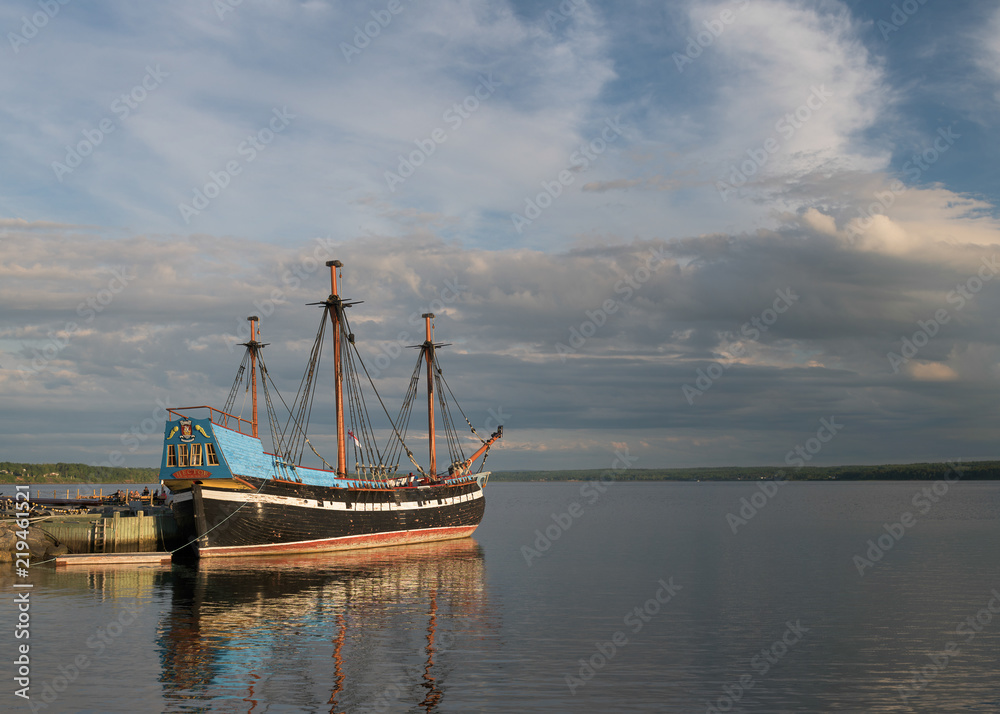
[968, 470]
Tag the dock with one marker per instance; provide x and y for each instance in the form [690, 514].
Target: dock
[127, 530]
[117, 532]
[112, 558]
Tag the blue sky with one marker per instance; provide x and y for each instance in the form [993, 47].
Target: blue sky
[679, 163]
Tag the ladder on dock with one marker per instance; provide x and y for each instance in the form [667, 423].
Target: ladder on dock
[100, 535]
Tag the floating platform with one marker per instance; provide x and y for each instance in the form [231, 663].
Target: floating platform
[112, 558]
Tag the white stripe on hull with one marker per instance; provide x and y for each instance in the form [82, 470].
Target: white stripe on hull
[356, 506]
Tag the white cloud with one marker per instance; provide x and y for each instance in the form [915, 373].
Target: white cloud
[792, 224]
[171, 329]
[989, 37]
[801, 76]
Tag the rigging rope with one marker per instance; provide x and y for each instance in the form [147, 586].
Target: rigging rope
[291, 439]
[460, 407]
[409, 453]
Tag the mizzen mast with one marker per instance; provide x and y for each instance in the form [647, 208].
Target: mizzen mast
[428, 349]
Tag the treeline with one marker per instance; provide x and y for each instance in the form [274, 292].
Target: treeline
[74, 473]
[971, 470]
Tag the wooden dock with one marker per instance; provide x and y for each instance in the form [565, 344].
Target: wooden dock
[113, 558]
[95, 533]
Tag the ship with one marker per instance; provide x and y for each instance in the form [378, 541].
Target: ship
[231, 497]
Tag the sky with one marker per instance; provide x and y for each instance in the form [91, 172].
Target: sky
[752, 232]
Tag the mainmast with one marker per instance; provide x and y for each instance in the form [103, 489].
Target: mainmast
[335, 306]
[252, 346]
[429, 355]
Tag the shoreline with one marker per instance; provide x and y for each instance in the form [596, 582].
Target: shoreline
[46, 474]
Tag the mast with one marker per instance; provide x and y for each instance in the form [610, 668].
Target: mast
[253, 346]
[335, 305]
[429, 354]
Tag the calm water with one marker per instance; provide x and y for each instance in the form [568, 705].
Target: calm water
[643, 600]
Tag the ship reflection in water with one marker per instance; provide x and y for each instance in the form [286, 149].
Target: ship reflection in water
[385, 629]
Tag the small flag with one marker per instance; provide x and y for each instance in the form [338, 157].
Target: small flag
[351, 434]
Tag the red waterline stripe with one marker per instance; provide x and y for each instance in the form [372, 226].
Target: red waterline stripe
[370, 540]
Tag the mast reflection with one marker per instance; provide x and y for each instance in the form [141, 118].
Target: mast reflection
[394, 621]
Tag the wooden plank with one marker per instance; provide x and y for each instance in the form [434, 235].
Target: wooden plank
[112, 558]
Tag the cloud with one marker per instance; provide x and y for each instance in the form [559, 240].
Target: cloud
[596, 339]
[807, 116]
[23, 225]
[989, 58]
[803, 77]
[934, 371]
[602, 186]
[353, 119]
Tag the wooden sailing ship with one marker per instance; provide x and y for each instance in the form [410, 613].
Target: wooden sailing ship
[234, 498]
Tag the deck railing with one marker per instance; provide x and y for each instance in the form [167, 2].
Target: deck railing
[218, 417]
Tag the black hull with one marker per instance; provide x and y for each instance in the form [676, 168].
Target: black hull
[289, 517]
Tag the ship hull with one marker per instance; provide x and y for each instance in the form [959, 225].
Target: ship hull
[274, 517]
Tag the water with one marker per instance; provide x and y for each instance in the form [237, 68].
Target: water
[470, 626]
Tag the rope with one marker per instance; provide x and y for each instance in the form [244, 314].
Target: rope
[171, 552]
[441, 374]
[395, 431]
[403, 418]
[318, 454]
[238, 508]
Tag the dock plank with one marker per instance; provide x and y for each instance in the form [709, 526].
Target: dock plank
[112, 558]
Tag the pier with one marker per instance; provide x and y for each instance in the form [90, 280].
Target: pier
[117, 532]
[101, 531]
